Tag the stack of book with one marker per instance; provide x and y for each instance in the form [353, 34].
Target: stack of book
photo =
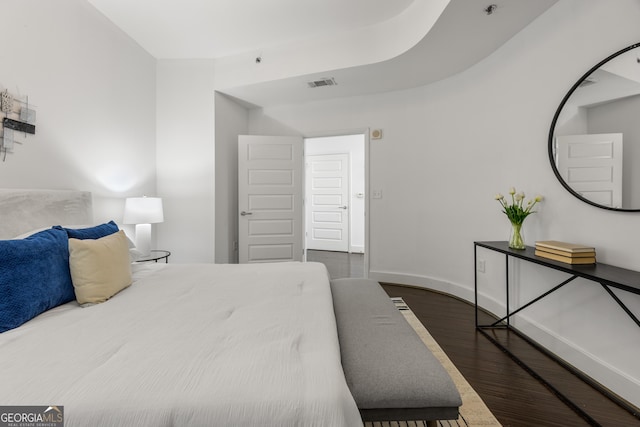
[569, 253]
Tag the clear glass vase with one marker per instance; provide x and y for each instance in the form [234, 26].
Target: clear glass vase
[516, 241]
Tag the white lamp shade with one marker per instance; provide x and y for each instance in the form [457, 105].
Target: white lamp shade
[143, 210]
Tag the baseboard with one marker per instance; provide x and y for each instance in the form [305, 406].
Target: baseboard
[607, 375]
[620, 383]
[424, 282]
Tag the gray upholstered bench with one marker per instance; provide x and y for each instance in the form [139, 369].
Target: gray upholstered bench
[392, 375]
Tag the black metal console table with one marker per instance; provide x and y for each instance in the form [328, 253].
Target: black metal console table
[606, 275]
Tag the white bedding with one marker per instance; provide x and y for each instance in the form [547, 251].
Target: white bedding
[188, 345]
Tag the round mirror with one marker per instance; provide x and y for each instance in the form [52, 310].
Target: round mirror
[594, 141]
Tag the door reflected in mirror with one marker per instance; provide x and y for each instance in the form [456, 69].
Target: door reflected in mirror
[594, 140]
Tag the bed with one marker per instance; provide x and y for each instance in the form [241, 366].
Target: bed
[182, 344]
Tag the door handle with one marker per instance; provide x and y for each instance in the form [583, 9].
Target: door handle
[243, 213]
[342, 207]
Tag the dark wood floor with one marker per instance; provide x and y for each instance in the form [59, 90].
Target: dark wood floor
[515, 397]
[339, 264]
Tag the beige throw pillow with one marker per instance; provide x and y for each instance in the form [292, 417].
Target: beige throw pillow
[99, 268]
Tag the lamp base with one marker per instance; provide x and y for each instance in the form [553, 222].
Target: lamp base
[143, 239]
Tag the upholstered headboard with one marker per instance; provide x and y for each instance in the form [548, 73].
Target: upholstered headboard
[25, 210]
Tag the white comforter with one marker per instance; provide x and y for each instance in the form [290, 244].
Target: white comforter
[188, 345]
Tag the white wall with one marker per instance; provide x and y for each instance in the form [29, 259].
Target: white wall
[186, 158]
[450, 146]
[353, 145]
[94, 95]
[231, 120]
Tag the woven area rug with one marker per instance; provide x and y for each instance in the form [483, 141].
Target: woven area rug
[473, 411]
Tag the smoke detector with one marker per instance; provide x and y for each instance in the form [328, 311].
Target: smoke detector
[490, 9]
[322, 82]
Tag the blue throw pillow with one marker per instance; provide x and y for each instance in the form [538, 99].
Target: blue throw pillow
[34, 276]
[96, 232]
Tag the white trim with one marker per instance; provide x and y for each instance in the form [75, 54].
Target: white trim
[356, 249]
[606, 374]
[457, 290]
[367, 174]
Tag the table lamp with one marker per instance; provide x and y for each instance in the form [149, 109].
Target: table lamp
[143, 211]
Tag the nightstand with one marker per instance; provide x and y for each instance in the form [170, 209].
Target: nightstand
[155, 256]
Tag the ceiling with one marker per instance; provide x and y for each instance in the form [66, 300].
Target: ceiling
[462, 35]
[218, 28]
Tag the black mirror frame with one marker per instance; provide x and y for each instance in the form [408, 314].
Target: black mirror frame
[555, 120]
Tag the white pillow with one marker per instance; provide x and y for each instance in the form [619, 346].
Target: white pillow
[99, 268]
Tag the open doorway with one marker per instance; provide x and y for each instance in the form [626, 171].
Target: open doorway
[335, 201]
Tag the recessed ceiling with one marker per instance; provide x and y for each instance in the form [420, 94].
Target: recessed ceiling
[236, 32]
[463, 35]
[217, 28]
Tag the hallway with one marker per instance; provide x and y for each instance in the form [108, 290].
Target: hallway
[339, 264]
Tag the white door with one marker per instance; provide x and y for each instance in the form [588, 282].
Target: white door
[269, 198]
[592, 166]
[327, 202]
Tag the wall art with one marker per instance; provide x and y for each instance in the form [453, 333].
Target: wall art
[18, 120]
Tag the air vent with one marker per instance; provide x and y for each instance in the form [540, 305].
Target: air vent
[322, 82]
[588, 82]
